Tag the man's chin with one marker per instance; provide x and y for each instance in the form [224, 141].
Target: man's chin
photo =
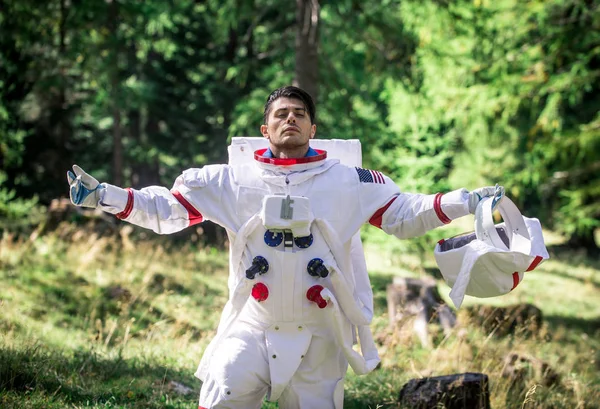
[294, 138]
[291, 142]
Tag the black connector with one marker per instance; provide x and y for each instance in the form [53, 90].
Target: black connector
[316, 268]
[260, 265]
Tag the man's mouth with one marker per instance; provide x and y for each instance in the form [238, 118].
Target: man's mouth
[291, 128]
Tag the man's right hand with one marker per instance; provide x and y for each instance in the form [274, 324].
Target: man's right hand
[84, 189]
[489, 191]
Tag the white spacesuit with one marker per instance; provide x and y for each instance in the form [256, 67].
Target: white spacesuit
[295, 307]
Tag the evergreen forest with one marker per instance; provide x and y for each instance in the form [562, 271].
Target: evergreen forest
[441, 94]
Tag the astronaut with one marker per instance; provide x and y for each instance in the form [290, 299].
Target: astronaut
[299, 296]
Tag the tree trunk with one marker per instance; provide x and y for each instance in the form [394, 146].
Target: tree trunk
[148, 169]
[117, 176]
[307, 46]
[140, 172]
[418, 299]
[117, 148]
[63, 128]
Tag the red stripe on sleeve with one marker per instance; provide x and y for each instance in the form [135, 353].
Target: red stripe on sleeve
[437, 206]
[377, 217]
[194, 215]
[515, 280]
[537, 260]
[128, 207]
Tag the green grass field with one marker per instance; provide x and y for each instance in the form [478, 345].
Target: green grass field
[97, 322]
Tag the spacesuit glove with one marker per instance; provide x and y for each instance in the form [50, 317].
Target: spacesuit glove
[476, 195]
[84, 190]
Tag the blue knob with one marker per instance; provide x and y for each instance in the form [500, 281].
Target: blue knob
[273, 239]
[303, 242]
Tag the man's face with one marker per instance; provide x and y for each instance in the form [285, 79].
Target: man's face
[288, 125]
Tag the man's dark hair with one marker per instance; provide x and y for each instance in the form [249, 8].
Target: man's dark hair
[291, 92]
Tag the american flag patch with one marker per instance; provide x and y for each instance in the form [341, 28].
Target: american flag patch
[370, 176]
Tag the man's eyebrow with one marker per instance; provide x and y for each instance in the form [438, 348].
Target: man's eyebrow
[295, 108]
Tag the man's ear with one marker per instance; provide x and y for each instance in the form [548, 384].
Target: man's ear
[264, 130]
[313, 131]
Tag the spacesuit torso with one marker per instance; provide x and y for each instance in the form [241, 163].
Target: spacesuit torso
[289, 291]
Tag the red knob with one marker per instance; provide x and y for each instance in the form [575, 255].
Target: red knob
[314, 294]
[260, 292]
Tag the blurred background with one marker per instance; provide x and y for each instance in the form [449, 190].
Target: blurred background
[442, 94]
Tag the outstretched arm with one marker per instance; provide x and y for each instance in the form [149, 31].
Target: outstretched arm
[407, 215]
[154, 207]
[157, 208]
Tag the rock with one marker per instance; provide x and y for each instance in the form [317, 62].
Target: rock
[161, 283]
[179, 388]
[419, 299]
[119, 293]
[158, 281]
[524, 319]
[520, 368]
[457, 391]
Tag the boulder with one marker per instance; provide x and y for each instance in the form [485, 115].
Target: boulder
[457, 391]
[521, 368]
[521, 319]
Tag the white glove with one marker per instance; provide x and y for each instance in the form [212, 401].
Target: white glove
[84, 189]
[476, 195]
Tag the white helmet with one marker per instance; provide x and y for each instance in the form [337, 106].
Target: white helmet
[492, 260]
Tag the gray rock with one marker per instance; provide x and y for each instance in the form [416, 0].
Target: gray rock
[457, 391]
[521, 319]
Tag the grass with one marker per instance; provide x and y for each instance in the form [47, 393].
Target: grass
[93, 321]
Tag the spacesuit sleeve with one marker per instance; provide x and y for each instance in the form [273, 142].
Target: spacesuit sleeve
[167, 211]
[407, 215]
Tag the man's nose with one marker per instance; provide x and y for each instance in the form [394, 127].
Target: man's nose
[291, 119]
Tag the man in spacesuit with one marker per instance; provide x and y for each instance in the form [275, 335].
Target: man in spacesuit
[299, 296]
